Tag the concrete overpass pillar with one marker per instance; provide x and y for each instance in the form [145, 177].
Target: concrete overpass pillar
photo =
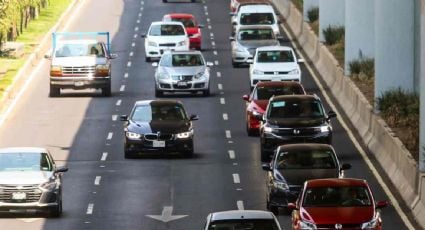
[394, 45]
[331, 13]
[359, 30]
[421, 68]
[308, 4]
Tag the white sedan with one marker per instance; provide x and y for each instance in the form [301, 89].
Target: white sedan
[274, 63]
[163, 36]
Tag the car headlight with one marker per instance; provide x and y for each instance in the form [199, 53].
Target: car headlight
[294, 71]
[197, 35]
[184, 135]
[151, 43]
[280, 185]
[182, 43]
[256, 71]
[371, 224]
[134, 136]
[307, 225]
[324, 129]
[268, 129]
[55, 71]
[163, 75]
[199, 75]
[48, 186]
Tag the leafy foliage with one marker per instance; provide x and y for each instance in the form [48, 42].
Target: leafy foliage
[313, 14]
[333, 34]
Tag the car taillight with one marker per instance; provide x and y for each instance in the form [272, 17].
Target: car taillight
[102, 71]
[55, 71]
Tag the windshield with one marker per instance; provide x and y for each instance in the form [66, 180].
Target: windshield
[306, 159]
[296, 109]
[25, 162]
[348, 196]
[187, 60]
[158, 112]
[166, 30]
[265, 93]
[257, 19]
[275, 56]
[187, 22]
[72, 50]
[247, 224]
[256, 34]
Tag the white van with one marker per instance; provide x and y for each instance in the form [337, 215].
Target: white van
[256, 15]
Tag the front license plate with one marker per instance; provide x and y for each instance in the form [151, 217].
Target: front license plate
[19, 196]
[182, 83]
[158, 144]
[79, 83]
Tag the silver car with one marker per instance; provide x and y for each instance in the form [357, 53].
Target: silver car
[242, 219]
[249, 38]
[182, 71]
[30, 181]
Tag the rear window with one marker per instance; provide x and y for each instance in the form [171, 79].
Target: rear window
[256, 34]
[166, 30]
[187, 22]
[275, 56]
[247, 224]
[306, 159]
[257, 19]
[265, 93]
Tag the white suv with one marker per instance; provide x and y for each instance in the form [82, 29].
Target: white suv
[164, 36]
[242, 219]
[274, 63]
[256, 14]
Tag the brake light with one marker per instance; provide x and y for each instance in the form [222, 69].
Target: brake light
[55, 71]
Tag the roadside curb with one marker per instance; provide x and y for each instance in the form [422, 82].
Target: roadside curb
[392, 156]
[34, 59]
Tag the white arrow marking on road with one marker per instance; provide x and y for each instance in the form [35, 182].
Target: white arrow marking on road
[166, 215]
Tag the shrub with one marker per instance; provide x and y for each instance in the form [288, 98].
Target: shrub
[313, 14]
[399, 105]
[366, 66]
[333, 34]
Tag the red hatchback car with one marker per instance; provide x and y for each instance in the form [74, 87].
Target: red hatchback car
[192, 27]
[257, 101]
[337, 204]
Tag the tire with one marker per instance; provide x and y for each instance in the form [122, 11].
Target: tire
[128, 154]
[164, 1]
[274, 210]
[264, 155]
[190, 151]
[235, 64]
[193, 1]
[159, 93]
[148, 59]
[56, 211]
[106, 91]
[250, 132]
[54, 92]
[206, 92]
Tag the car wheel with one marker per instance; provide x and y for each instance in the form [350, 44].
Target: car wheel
[235, 64]
[206, 92]
[148, 59]
[264, 155]
[251, 132]
[274, 210]
[106, 91]
[56, 211]
[164, 1]
[54, 92]
[159, 93]
[193, 0]
[128, 154]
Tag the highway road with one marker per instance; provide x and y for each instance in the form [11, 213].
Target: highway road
[102, 190]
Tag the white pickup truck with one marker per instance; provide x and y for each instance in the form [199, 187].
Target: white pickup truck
[79, 63]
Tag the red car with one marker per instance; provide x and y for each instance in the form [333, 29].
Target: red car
[337, 204]
[192, 27]
[257, 101]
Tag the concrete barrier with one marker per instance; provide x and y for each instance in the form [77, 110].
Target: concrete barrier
[388, 150]
[32, 61]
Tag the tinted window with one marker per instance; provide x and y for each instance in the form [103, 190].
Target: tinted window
[337, 197]
[187, 22]
[25, 162]
[166, 30]
[257, 19]
[306, 159]
[158, 112]
[265, 93]
[187, 60]
[247, 224]
[72, 50]
[256, 34]
[275, 56]
[296, 109]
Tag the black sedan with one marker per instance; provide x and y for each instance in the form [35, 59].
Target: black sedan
[292, 165]
[158, 126]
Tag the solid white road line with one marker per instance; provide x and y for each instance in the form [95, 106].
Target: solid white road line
[239, 203]
[225, 116]
[228, 134]
[104, 156]
[122, 88]
[110, 134]
[232, 154]
[218, 74]
[90, 209]
[220, 86]
[236, 178]
[118, 102]
[222, 101]
[114, 117]
[97, 180]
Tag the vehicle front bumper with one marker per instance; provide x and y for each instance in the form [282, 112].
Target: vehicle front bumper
[271, 141]
[146, 146]
[175, 86]
[255, 78]
[157, 51]
[241, 57]
[80, 82]
[47, 200]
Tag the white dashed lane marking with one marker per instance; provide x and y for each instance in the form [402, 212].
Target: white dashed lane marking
[122, 88]
[114, 117]
[129, 64]
[232, 154]
[222, 101]
[239, 203]
[110, 134]
[220, 86]
[225, 116]
[136, 28]
[97, 180]
[104, 156]
[228, 134]
[211, 34]
[215, 52]
[209, 27]
[216, 62]
[126, 75]
[90, 209]
[133, 44]
[138, 21]
[118, 103]
[135, 36]
[236, 178]
[218, 74]
[131, 54]
[140, 15]
[213, 43]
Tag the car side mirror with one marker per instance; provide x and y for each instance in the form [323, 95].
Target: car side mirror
[143, 35]
[382, 204]
[331, 114]
[210, 64]
[345, 166]
[48, 56]
[61, 169]
[249, 61]
[124, 117]
[292, 206]
[280, 38]
[201, 26]
[113, 56]
[234, 23]
[245, 97]
[155, 64]
[266, 167]
[193, 117]
[231, 39]
[301, 60]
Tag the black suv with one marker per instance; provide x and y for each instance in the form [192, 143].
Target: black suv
[294, 119]
[158, 126]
